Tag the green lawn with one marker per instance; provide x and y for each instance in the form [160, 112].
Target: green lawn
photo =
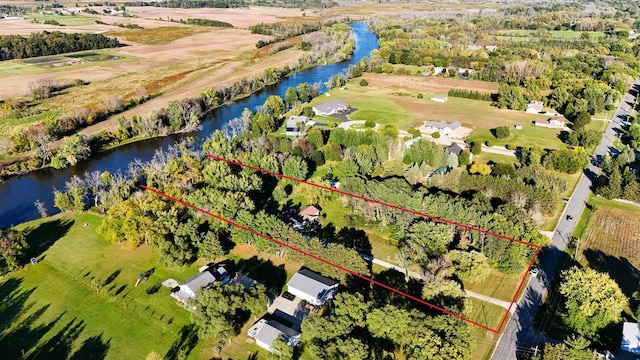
[486, 157]
[497, 285]
[80, 298]
[487, 314]
[66, 20]
[529, 135]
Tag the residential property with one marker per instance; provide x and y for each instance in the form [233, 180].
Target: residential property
[312, 287]
[455, 149]
[535, 107]
[440, 99]
[266, 332]
[207, 276]
[631, 338]
[331, 107]
[557, 121]
[443, 127]
[296, 124]
[309, 213]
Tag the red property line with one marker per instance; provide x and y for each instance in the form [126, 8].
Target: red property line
[353, 273]
[396, 207]
[465, 226]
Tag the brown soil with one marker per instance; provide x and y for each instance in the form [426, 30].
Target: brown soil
[428, 84]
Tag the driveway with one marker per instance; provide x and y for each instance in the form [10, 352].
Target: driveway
[519, 334]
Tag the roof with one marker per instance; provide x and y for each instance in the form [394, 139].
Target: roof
[455, 148]
[631, 338]
[295, 120]
[271, 330]
[441, 170]
[199, 281]
[443, 124]
[309, 211]
[537, 105]
[558, 118]
[310, 282]
[331, 106]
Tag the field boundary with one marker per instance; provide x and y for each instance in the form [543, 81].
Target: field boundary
[353, 273]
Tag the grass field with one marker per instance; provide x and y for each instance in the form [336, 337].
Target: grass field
[497, 285]
[157, 36]
[66, 62]
[66, 20]
[490, 315]
[486, 157]
[80, 298]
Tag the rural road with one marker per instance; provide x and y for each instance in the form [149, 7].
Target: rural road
[413, 274]
[519, 334]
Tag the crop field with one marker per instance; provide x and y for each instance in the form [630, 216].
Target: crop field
[58, 63]
[64, 20]
[157, 36]
[611, 242]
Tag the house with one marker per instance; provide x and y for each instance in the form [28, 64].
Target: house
[557, 121]
[331, 107]
[631, 338]
[439, 70]
[455, 149]
[491, 47]
[206, 277]
[534, 107]
[312, 287]
[442, 127]
[265, 332]
[296, 124]
[309, 213]
[439, 99]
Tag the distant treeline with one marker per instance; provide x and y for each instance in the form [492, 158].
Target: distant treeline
[205, 22]
[191, 4]
[51, 43]
[469, 94]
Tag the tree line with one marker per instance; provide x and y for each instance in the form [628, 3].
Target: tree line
[51, 43]
[470, 94]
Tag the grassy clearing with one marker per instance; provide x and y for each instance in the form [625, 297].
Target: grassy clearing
[486, 157]
[490, 315]
[157, 36]
[11, 126]
[80, 298]
[497, 285]
[529, 135]
[65, 20]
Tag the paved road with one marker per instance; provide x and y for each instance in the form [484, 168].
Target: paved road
[413, 274]
[519, 334]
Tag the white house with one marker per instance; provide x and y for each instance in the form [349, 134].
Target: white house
[206, 277]
[312, 287]
[440, 99]
[296, 124]
[266, 332]
[534, 107]
[442, 127]
[309, 213]
[557, 121]
[331, 107]
[631, 338]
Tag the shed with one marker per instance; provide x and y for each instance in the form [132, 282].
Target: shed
[312, 287]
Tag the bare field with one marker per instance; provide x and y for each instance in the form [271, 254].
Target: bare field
[429, 84]
[236, 17]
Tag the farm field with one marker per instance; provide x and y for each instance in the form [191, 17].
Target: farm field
[610, 241]
[64, 20]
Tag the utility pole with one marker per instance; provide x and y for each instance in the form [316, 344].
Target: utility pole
[577, 247]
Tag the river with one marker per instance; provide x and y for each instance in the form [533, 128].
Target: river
[18, 195]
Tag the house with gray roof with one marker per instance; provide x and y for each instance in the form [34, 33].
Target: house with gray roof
[266, 332]
[331, 107]
[296, 124]
[455, 149]
[312, 287]
[443, 127]
[187, 290]
[630, 338]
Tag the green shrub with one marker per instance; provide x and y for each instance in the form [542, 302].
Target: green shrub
[420, 96]
[476, 147]
[436, 135]
[501, 132]
[370, 124]
[364, 82]
[489, 143]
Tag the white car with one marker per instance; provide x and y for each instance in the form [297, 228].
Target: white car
[534, 272]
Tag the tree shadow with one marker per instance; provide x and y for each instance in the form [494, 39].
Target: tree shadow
[93, 348]
[59, 345]
[619, 269]
[184, 344]
[265, 272]
[356, 239]
[396, 280]
[111, 277]
[12, 301]
[40, 238]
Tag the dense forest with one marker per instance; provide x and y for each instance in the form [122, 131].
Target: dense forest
[51, 43]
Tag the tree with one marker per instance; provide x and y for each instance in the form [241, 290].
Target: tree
[581, 120]
[476, 147]
[511, 97]
[72, 150]
[573, 348]
[13, 246]
[43, 145]
[478, 168]
[428, 239]
[274, 106]
[613, 189]
[452, 160]
[364, 82]
[471, 266]
[295, 167]
[502, 132]
[464, 158]
[593, 300]
[291, 97]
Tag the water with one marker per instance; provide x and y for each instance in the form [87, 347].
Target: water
[18, 195]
